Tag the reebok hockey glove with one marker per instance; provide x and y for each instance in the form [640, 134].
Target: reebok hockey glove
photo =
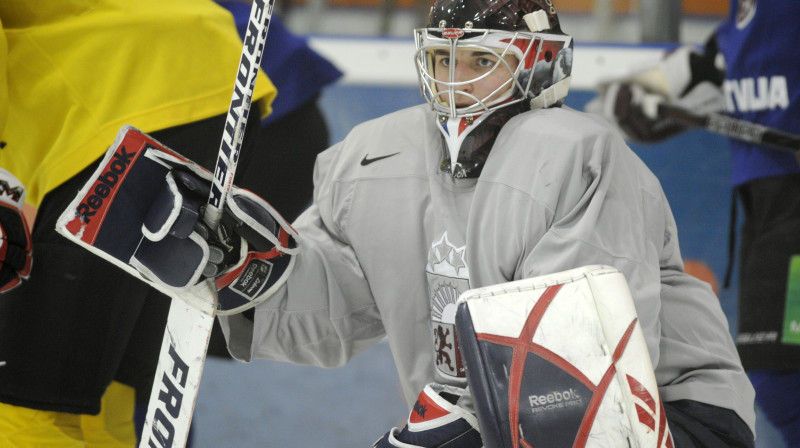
[16, 249]
[143, 208]
[179, 249]
[437, 421]
[683, 77]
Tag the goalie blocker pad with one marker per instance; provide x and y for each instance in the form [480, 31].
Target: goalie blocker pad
[560, 361]
[108, 218]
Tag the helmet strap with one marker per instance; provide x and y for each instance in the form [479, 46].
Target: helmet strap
[552, 95]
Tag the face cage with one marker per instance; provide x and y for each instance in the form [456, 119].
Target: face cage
[490, 41]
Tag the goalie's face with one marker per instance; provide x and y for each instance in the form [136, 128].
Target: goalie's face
[469, 72]
[472, 77]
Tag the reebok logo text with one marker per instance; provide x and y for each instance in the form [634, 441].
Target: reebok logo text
[104, 184]
[420, 409]
[555, 400]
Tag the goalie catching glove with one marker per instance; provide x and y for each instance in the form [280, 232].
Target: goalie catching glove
[437, 421]
[683, 77]
[143, 211]
[16, 249]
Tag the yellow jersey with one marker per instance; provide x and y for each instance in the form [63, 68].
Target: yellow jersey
[78, 70]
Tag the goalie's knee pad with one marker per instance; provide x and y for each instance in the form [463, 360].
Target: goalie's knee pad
[560, 361]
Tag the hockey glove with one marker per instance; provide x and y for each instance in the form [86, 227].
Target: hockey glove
[437, 421]
[243, 255]
[16, 249]
[684, 77]
[143, 208]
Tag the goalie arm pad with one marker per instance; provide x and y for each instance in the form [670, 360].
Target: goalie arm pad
[143, 208]
[684, 77]
[16, 247]
[560, 360]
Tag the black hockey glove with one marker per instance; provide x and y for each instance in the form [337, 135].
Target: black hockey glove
[437, 421]
[16, 249]
[636, 113]
[683, 77]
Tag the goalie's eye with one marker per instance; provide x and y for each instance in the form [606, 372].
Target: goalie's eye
[441, 59]
[468, 64]
[484, 62]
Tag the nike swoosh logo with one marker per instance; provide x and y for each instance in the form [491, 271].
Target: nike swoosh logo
[366, 160]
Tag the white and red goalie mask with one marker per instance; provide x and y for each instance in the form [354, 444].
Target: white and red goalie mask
[546, 61]
[522, 60]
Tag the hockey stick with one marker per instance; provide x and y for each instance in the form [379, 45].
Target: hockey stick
[733, 127]
[188, 329]
[231, 143]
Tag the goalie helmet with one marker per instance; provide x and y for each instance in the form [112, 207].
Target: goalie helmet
[517, 53]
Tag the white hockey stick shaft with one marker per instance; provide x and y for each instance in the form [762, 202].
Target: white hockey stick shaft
[177, 378]
[239, 110]
[185, 343]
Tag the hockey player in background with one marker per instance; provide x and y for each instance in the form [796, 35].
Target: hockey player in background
[492, 181]
[749, 70]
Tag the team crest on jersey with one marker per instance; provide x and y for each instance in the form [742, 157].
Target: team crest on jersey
[745, 12]
[448, 277]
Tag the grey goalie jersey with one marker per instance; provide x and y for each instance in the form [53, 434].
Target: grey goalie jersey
[391, 242]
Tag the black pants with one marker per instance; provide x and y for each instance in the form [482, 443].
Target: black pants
[770, 237]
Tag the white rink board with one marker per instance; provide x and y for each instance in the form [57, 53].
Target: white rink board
[389, 61]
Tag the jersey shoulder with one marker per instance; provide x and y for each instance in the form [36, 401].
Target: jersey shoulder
[557, 134]
[546, 150]
[562, 123]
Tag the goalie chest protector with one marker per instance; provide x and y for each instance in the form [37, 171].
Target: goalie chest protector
[560, 361]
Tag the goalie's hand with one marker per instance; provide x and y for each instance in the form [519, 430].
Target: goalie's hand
[436, 421]
[247, 255]
[16, 249]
